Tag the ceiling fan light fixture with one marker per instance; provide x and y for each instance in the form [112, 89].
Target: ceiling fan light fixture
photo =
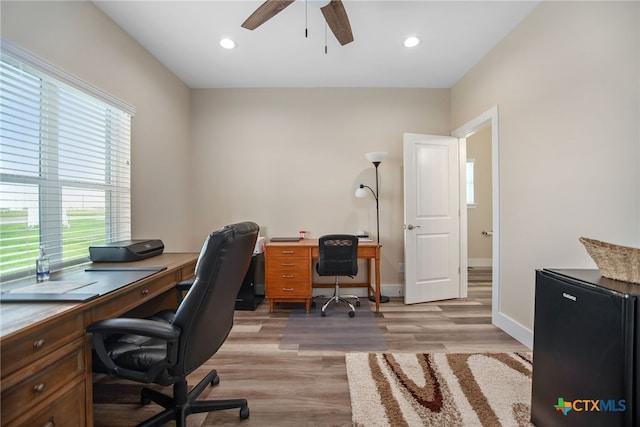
[227, 43]
[412, 41]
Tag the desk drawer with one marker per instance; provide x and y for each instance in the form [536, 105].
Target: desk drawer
[284, 289]
[288, 277]
[288, 271]
[286, 267]
[42, 381]
[187, 272]
[67, 410]
[134, 296]
[287, 274]
[37, 345]
[287, 251]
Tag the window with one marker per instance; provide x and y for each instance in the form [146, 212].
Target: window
[64, 165]
[471, 198]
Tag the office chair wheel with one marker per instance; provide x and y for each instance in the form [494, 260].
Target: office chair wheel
[215, 380]
[352, 313]
[244, 412]
[358, 303]
[323, 314]
[144, 401]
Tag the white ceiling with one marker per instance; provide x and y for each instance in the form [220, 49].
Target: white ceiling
[185, 35]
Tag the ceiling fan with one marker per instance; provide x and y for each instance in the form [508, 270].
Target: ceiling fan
[334, 13]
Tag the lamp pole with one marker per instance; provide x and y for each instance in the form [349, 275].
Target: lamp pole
[376, 164]
[375, 158]
[375, 196]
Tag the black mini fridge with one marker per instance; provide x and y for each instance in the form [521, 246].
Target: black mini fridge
[585, 350]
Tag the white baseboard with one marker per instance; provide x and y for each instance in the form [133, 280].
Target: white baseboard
[513, 328]
[392, 290]
[479, 262]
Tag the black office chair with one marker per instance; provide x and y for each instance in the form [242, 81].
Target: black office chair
[168, 346]
[338, 256]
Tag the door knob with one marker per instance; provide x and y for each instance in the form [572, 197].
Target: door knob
[411, 226]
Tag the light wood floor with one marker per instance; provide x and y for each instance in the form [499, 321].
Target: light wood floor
[303, 388]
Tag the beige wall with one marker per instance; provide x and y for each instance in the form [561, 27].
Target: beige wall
[292, 159]
[479, 218]
[287, 158]
[79, 38]
[566, 83]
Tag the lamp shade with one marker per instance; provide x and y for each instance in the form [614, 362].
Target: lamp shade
[376, 156]
[361, 193]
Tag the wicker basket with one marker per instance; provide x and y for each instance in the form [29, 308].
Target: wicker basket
[614, 261]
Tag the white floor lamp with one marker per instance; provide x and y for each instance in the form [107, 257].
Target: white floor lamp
[376, 158]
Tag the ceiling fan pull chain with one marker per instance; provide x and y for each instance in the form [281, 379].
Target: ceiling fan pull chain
[306, 20]
[325, 38]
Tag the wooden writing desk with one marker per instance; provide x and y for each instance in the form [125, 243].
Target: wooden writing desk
[289, 271]
[45, 353]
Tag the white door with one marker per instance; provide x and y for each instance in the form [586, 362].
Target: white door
[431, 218]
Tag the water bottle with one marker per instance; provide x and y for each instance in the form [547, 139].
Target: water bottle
[42, 266]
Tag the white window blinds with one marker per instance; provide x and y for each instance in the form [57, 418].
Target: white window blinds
[64, 165]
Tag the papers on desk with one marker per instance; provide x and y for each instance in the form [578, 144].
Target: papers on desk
[30, 298]
[50, 287]
[49, 291]
[364, 239]
[107, 279]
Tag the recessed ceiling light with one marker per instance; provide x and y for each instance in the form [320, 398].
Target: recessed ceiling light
[411, 41]
[227, 43]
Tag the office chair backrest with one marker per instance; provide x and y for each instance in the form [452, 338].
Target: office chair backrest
[206, 313]
[338, 255]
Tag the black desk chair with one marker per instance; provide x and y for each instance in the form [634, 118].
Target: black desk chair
[338, 256]
[168, 346]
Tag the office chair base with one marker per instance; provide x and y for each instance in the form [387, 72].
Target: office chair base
[357, 302]
[184, 403]
[339, 298]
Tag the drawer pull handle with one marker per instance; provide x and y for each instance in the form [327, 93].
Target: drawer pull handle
[288, 265]
[39, 343]
[145, 292]
[287, 289]
[50, 423]
[39, 388]
[287, 276]
[288, 252]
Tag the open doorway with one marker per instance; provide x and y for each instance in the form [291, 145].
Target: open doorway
[479, 214]
[483, 130]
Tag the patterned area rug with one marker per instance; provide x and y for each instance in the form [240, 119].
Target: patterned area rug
[439, 389]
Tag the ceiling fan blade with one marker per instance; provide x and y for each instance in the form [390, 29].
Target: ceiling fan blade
[338, 21]
[266, 11]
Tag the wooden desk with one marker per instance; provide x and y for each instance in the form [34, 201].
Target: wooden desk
[289, 271]
[46, 355]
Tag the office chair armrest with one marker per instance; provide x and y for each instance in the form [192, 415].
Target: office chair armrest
[102, 329]
[148, 328]
[184, 285]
